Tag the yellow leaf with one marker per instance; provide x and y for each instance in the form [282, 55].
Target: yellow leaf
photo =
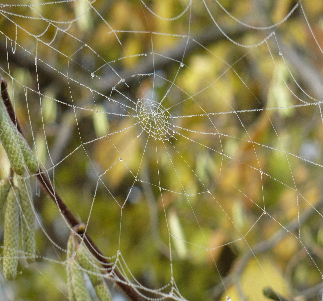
[100, 121]
[177, 234]
[259, 274]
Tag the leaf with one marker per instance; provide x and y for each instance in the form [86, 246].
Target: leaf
[252, 285]
[178, 234]
[100, 121]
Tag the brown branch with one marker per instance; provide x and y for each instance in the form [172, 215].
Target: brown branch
[48, 187]
[128, 290]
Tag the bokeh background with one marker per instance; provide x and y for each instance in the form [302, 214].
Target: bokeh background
[186, 135]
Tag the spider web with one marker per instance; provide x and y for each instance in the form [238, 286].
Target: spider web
[186, 135]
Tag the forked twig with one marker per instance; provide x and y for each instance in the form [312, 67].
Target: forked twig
[128, 290]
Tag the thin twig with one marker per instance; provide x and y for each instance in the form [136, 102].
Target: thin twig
[304, 295]
[271, 294]
[129, 291]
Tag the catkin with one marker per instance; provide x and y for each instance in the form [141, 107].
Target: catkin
[78, 281]
[5, 186]
[87, 262]
[103, 292]
[15, 145]
[29, 157]
[27, 219]
[70, 254]
[10, 141]
[11, 235]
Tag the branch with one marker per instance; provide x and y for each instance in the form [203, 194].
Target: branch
[164, 60]
[48, 75]
[307, 294]
[49, 189]
[263, 247]
[306, 70]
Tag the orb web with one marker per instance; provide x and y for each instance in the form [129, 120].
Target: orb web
[186, 135]
[154, 119]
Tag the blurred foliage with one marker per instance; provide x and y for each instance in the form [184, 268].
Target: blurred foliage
[257, 156]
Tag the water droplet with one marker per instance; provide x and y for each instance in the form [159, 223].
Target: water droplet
[13, 47]
[92, 74]
[120, 159]
[181, 65]
[280, 53]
